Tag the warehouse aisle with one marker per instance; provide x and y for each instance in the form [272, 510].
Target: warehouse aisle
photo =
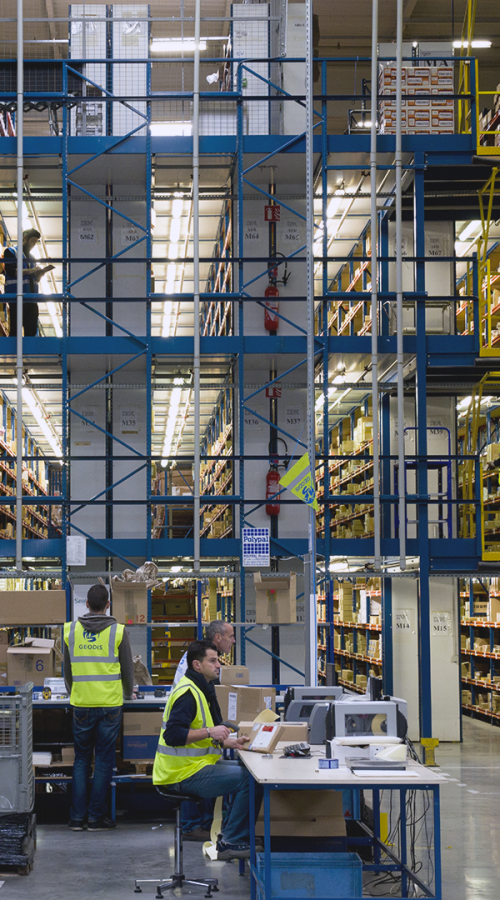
[83, 865]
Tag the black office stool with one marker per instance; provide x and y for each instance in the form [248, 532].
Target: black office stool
[178, 879]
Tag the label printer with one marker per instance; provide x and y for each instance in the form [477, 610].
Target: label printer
[367, 734]
[311, 705]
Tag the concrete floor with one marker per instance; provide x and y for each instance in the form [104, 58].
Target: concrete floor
[81, 866]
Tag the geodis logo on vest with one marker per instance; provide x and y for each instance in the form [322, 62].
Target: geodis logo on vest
[91, 637]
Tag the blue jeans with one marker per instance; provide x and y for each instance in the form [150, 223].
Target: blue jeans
[94, 728]
[226, 777]
[197, 815]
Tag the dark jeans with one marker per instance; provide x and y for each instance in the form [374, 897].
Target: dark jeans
[226, 777]
[197, 815]
[94, 728]
[30, 318]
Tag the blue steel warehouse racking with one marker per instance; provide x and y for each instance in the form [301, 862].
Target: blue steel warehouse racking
[130, 355]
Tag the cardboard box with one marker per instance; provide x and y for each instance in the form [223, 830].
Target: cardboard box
[68, 755]
[275, 599]
[291, 732]
[141, 731]
[305, 813]
[129, 602]
[32, 608]
[4, 643]
[31, 661]
[234, 675]
[238, 703]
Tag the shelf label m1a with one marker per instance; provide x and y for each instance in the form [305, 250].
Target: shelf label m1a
[256, 547]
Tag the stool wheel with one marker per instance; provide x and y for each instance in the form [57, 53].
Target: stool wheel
[138, 890]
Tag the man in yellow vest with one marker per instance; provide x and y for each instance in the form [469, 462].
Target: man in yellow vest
[98, 671]
[189, 754]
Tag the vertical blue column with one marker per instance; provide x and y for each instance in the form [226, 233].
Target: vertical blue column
[241, 360]
[65, 323]
[149, 358]
[421, 425]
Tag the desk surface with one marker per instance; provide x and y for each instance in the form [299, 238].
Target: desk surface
[304, 772]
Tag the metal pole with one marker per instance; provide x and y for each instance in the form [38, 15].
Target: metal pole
[196, 286]
[399, 292]
[374, 276]
[311, 669]
[19, 289]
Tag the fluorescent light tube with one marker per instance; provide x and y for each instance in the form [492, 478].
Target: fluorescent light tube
[476, 45]
[176, 45]
[469, 230]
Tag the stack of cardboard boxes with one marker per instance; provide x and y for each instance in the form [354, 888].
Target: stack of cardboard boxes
[427, 107]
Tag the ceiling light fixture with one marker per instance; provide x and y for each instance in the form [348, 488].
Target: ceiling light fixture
[476, 45]
[469, 230]
[176, 45]
[171, 129]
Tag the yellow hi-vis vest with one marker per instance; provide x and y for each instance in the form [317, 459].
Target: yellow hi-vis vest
[95, 665]
[174, 764]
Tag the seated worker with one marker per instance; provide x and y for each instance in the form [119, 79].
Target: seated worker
[219, 633]
[189, 754]
[196, 820]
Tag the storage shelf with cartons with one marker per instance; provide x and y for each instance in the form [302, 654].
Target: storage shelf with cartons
[173, 520]
[350, 475]
[480, 647]
[217, 600]
[218, 314]
[173, 612]
[38, 520]
[217, 474]
[356, 642]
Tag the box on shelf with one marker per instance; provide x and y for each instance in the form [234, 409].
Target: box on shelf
[234, 675]
[4, 643]
[31, 661]
[68, 755]
[32, 608]
[141, 731]
[275, 599]
[305, 814]
[129, 602]
[243, 703]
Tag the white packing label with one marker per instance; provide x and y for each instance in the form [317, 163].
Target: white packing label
[294, 415]
[232, 707]
[87, 231]
[130, 233]
[252, 421]
[403, 619]
[441, 623]
[267, 702]
[252, 230]
[76, 550]
[83, 431]
[129, 421]
[290, 234]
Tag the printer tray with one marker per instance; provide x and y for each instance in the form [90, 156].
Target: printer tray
[374, 764]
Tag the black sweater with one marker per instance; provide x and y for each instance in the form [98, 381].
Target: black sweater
[183, 711]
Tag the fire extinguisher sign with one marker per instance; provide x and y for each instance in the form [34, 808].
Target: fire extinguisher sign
[272, 213]
[256, 547]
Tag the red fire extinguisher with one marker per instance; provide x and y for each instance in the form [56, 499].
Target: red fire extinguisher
[271, 320]
[272, 487]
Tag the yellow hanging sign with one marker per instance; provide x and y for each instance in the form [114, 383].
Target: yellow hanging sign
[303, 488]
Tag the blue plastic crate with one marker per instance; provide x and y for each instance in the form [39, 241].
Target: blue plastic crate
[318, 875]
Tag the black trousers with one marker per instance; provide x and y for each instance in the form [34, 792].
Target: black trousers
[30, 318]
